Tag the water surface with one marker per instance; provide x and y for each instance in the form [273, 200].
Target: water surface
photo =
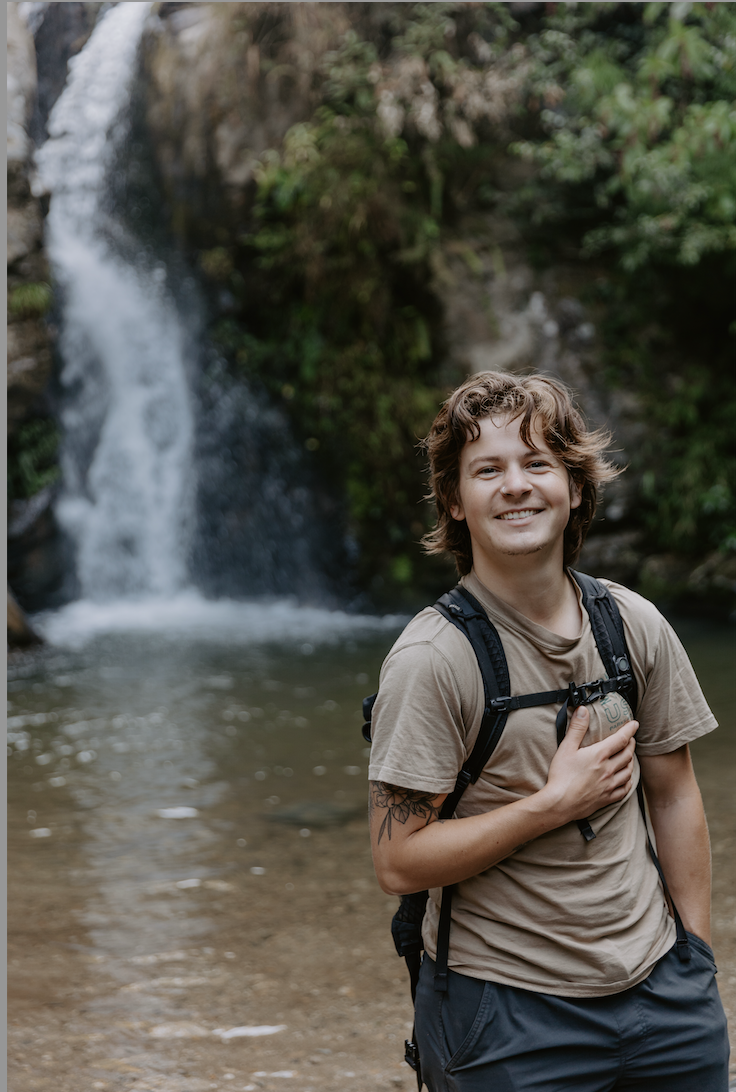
[189, 852]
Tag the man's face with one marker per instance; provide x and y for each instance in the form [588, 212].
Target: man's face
[516, 499]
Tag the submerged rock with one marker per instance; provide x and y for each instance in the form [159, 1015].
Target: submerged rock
[315, 813]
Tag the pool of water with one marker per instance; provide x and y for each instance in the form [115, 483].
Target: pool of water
[171, 765]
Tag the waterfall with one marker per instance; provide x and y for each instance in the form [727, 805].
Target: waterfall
[128, 477]
[178, 479]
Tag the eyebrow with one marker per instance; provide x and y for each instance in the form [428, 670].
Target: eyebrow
[499, 459]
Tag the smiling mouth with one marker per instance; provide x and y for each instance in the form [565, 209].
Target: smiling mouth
[520, 514]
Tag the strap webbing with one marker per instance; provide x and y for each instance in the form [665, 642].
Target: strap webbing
[443, 939]
[608, 631]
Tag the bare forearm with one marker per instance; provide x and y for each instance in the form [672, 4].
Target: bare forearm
[414, 849]
[683, 849]
[446, 852]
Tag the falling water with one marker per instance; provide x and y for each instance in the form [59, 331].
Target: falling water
[178, 478]
[128, 491]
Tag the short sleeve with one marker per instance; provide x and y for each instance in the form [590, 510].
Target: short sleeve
[672, 709]
[425, 700]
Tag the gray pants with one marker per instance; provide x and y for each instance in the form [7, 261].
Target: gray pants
[668, 1034]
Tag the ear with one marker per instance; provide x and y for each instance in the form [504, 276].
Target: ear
[457, 511]
[576, 494]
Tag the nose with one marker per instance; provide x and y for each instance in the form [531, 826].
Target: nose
[515, 482]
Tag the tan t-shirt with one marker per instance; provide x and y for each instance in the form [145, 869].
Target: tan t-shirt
[560, 915]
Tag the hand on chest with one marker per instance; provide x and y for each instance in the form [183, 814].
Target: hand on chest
[520, 762]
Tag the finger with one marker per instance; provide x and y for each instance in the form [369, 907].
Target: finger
[629, 729]
[620, 740]
[621, 759]
[578, 727]
[619, 769]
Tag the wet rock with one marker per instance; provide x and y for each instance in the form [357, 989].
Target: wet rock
[21, 90]
[29, 368]
[60, 31]
[29, 352]
[20, 632]
[36, 551]
[569, 314]
[25, 228]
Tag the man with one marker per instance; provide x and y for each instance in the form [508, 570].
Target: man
[563, 972]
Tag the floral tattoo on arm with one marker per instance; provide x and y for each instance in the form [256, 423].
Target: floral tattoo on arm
[399, 804]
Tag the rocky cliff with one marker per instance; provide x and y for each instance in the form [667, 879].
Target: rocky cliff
[224, 83]
[29, 294]
[310, 162]
[29, 357]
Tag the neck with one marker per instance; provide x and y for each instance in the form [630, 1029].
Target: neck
[535, 585]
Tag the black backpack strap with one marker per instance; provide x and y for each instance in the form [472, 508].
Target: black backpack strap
[466, 613]
[608, 631]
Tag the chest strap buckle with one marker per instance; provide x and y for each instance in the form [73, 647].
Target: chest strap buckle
[585, 693]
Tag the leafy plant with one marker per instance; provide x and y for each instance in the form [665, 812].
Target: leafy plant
[635, 150]
[30, 300]
[32, 455]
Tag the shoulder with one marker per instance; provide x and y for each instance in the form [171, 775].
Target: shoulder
[430, 639]
[644, 624]
[431, 667]
[639, 614]
[672, 708]
[429, 701]
[649, 636]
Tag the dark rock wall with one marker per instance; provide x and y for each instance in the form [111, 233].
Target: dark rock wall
[29, 356]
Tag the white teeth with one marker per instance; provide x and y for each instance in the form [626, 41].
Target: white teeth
[519, 515]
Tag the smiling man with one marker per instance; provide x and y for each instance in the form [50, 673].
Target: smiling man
[566, 968]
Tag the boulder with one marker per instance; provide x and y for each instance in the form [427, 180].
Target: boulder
[20, 632]
[22, 82]
[37, 561]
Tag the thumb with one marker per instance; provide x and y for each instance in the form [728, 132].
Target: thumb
[578, 725]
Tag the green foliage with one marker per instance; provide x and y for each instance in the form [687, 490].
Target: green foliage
[636, 156]
[32, 458]
[625, 113]
[30, 300]
[663, 337]
[637, 106]
[334, 280]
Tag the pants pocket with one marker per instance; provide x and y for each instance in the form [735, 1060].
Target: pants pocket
[703, 948]
[466, 1012]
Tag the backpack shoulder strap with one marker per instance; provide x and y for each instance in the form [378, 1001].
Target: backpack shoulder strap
[608, 631]
[465, 612]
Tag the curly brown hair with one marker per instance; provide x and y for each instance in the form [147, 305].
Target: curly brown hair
[541, 402]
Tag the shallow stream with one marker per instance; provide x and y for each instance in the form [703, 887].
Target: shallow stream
[188, 851]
